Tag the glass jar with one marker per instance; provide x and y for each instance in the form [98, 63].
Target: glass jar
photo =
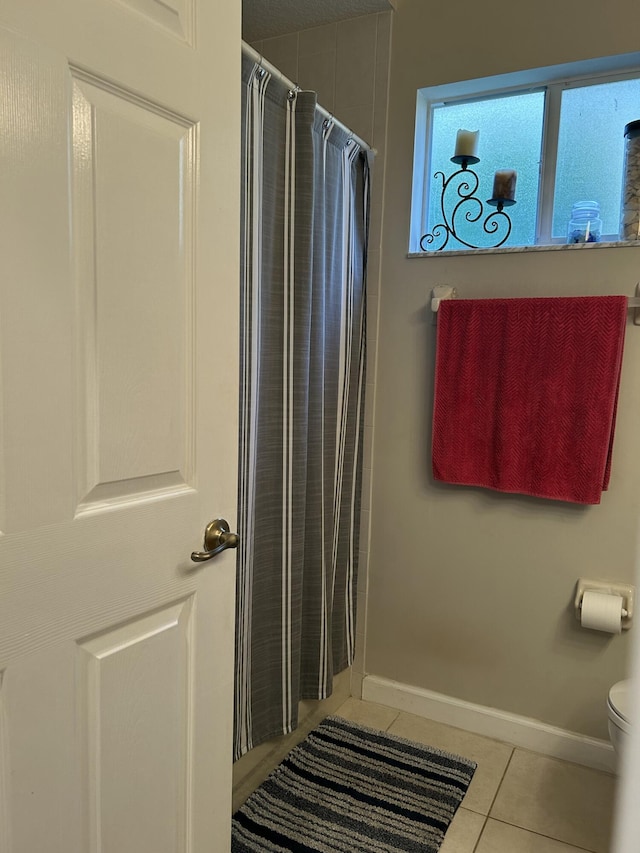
[585, 225]
[630, 212]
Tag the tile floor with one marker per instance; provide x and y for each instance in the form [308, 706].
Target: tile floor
[518, 801]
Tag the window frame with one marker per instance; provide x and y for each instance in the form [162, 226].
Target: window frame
[553, 81]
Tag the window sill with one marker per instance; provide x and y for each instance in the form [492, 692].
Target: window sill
[553, 247]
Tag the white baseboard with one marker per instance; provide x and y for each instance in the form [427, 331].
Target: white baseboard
[490, 722]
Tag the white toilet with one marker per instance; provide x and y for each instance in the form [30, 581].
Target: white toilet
[618, 707]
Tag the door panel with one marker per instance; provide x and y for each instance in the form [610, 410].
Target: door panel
[119, 254]
[134, 178]
[176, 16]
[127, 715]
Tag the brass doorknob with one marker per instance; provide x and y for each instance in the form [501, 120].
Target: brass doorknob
[217, 538]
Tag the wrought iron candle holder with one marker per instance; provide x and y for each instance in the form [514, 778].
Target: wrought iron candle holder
[465, 183]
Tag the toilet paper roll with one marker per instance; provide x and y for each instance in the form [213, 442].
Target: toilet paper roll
[602, 612]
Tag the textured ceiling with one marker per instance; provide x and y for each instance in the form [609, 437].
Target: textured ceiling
[266, 18]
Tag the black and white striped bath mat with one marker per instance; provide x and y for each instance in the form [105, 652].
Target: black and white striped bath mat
[350, 788]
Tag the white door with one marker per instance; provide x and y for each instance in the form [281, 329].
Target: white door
[119, 193]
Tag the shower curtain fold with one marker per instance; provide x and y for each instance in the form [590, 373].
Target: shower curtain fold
[304, 226]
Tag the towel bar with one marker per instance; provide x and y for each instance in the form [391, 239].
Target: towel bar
[445, 291]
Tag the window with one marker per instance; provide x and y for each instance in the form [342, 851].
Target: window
[561, 129]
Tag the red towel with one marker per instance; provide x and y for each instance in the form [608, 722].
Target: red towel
[526, 393]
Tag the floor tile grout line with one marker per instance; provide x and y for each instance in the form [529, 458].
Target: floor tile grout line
[392, 721]
[479, 838]
[543, 835]
[495, 796]
[486, 817]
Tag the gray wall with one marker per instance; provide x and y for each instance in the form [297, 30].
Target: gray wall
[470, 592]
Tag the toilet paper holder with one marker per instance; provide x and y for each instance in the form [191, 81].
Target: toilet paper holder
[626, 591]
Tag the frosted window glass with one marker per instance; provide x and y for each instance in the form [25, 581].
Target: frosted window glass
[591, 151]
[510, 138]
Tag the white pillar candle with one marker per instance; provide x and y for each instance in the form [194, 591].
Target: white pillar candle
[467, 143]
[504, 184]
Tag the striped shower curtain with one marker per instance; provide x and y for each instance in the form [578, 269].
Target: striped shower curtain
[304, 220]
